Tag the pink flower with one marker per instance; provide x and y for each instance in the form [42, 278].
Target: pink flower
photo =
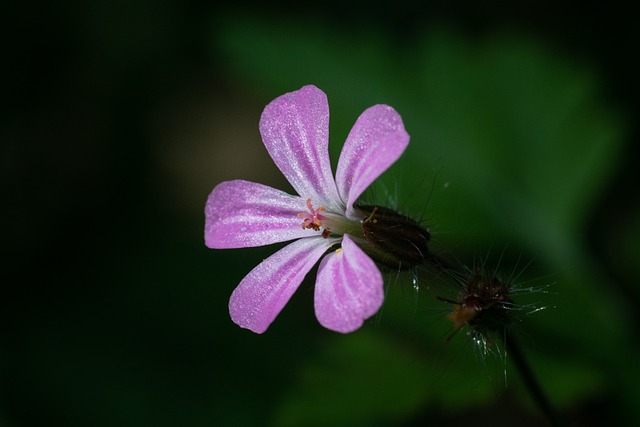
[321, 220]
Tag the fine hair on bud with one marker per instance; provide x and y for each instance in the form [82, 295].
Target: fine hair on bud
[394, 240]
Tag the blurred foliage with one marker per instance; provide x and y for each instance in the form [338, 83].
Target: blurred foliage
[119, 315]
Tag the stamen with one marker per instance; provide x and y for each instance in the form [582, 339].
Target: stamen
[313, 219]
[370, 217]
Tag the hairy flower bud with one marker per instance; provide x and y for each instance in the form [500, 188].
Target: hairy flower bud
[394, 240]
[484, 305]
[490, 296]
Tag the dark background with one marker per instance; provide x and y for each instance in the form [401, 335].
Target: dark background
[120, 117]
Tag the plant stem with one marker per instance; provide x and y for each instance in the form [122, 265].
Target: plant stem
[531, 382]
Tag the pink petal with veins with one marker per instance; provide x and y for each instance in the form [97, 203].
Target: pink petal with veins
[375, 142]
[263, 292]
[295, 130]
[348, 288]
[240, 214]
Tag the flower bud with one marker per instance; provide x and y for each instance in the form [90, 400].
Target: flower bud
[394, 240]
[484, 305]
[490, 297]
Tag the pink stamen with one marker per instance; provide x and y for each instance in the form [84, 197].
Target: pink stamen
[312, 219]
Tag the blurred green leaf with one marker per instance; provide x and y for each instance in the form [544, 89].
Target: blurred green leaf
[361, 379]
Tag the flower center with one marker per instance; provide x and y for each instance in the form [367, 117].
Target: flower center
[313, 219]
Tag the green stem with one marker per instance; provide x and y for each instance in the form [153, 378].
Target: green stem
[531, 382]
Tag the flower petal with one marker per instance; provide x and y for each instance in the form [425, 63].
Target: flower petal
[241, 214]
[348, 288]
[375, 142]
[295, 130]
[263, 292]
